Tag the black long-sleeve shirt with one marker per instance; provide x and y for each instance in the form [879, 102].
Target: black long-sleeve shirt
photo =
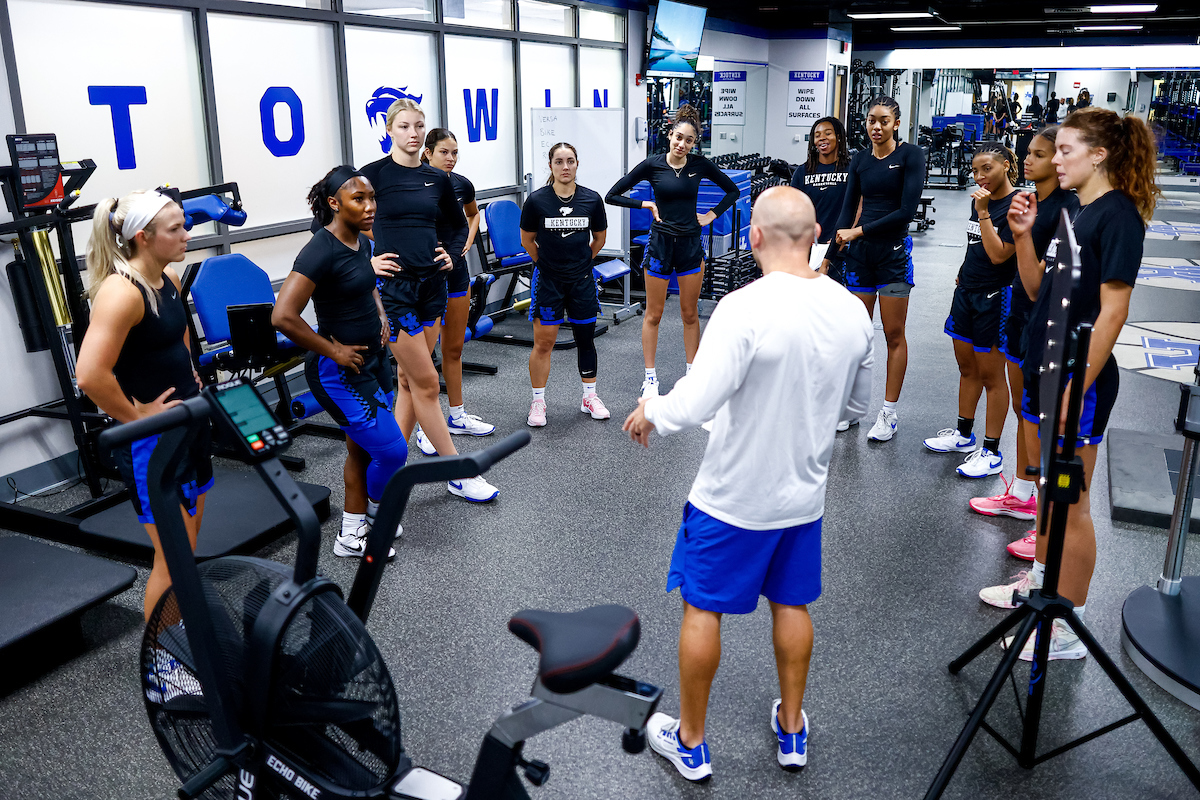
[890, 190]
[675, 191]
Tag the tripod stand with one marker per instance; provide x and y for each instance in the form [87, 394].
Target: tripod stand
[1062, 479]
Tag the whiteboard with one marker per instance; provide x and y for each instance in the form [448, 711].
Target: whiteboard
[598, 134]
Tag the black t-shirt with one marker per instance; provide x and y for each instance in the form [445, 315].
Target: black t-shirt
[464, 190]
[564, 246]
[826, 187]
[1110, 234]
[890, 190]
[675, 192]
[978, 273]
[344, 296]
[406, 222]
[1044, 228]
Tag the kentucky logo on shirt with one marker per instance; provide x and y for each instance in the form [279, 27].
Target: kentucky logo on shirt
[567, 223]
[824, 180]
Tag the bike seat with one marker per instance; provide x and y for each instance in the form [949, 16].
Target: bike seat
[580, 647]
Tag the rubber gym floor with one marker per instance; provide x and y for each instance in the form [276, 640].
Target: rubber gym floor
[586, 517]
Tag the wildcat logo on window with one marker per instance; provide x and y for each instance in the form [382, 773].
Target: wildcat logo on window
[377, 107]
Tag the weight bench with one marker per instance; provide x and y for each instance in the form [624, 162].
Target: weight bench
[614, 270]
[923, 220]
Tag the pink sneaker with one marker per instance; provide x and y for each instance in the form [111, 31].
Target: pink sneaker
[592, 405]
[1006, 505]
[1024, 548]
[537, 414]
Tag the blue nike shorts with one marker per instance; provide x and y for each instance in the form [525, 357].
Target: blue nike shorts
[722, 568]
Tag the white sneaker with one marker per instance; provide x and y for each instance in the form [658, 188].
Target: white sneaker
[169, 679]
[592, 405]
[663, 734]
[885, 426]
[476, 490]
[423, 442]
[949, 440]
[981, 463]
[846, 424]
[350, 546]
[469, 425]
[370, 523]
[537, 414]
[649, 389]
[1064, 644]
[792, 753]
[1007, 595]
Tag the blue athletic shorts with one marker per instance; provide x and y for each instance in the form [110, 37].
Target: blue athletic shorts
[1098, 402]
[353, 399]
[666, 254]
[977, 317]
[556, 299]
[721, 568]
[195, 476]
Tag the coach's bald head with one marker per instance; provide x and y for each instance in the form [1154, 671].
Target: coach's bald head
[783, 227]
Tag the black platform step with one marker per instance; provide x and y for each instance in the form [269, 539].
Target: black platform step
[41, 585]
[240, 516]
[1161, 633]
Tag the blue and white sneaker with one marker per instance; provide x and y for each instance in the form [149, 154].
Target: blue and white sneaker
[949, 440]
[663, 733]
[885, 426]
[792, 754]
[423, 442]
[169, 679]
[475, 490]
[981, 463]
[469, 425]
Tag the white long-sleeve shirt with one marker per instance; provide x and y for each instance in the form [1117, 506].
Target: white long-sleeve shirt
[782, 361]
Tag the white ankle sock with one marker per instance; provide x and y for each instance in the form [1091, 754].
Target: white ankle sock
[1021, 489]
[689, 368]
[589, 389]
[456, 412]
[352, 522]
[1079, 611]
[540, 394]
[651, 375]
[889, 406]
[1038, 573]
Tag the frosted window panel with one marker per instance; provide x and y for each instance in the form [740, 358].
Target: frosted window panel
[481, 91]
[298, 3]
[398, 9]
[384, 66]
[143, 127]
[277, 108]
[478, 13]
[276, 255]
[601, 78]
[551, 18]
[601, 25]
[545, 68]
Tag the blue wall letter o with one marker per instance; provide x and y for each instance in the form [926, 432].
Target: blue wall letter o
[266, 108]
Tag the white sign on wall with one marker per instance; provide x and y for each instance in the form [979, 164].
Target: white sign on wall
[806, 97]
[729, 97]
[481, 92]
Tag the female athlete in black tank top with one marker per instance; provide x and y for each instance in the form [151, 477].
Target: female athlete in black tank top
[134, 361]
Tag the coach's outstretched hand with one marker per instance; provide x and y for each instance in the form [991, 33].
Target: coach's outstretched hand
[638, 426]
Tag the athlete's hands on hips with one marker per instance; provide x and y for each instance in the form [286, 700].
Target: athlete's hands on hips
[650, 204]
[848, 235]
[1022, 213]
[385, 266]
[706, 218]
[638, 426]
[447, 262]
[981, 197]
[157, 405]
[348, 356]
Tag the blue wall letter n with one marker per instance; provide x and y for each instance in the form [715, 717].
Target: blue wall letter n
[119, 99]
[482, 117]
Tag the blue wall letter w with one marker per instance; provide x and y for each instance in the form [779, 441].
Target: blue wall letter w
[482, 116]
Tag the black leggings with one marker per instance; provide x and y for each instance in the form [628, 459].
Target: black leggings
[585, 349]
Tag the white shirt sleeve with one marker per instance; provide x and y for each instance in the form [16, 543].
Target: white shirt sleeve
[860, 393]
[718, 370]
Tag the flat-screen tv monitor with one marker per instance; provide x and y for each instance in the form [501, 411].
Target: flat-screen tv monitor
[675, 40]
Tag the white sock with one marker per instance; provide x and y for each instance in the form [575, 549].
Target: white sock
[689, 369]
[889, 406]
[352, 522]
[1038, 574]
[372, 510]
[651, 375]
[540, 394]
[1021, 489]
[456, 412]
[589, 389]
[1079, 611]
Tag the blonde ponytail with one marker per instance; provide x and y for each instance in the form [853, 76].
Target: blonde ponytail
[109, 253]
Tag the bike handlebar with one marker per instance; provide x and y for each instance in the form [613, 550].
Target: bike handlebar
[126, 432]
